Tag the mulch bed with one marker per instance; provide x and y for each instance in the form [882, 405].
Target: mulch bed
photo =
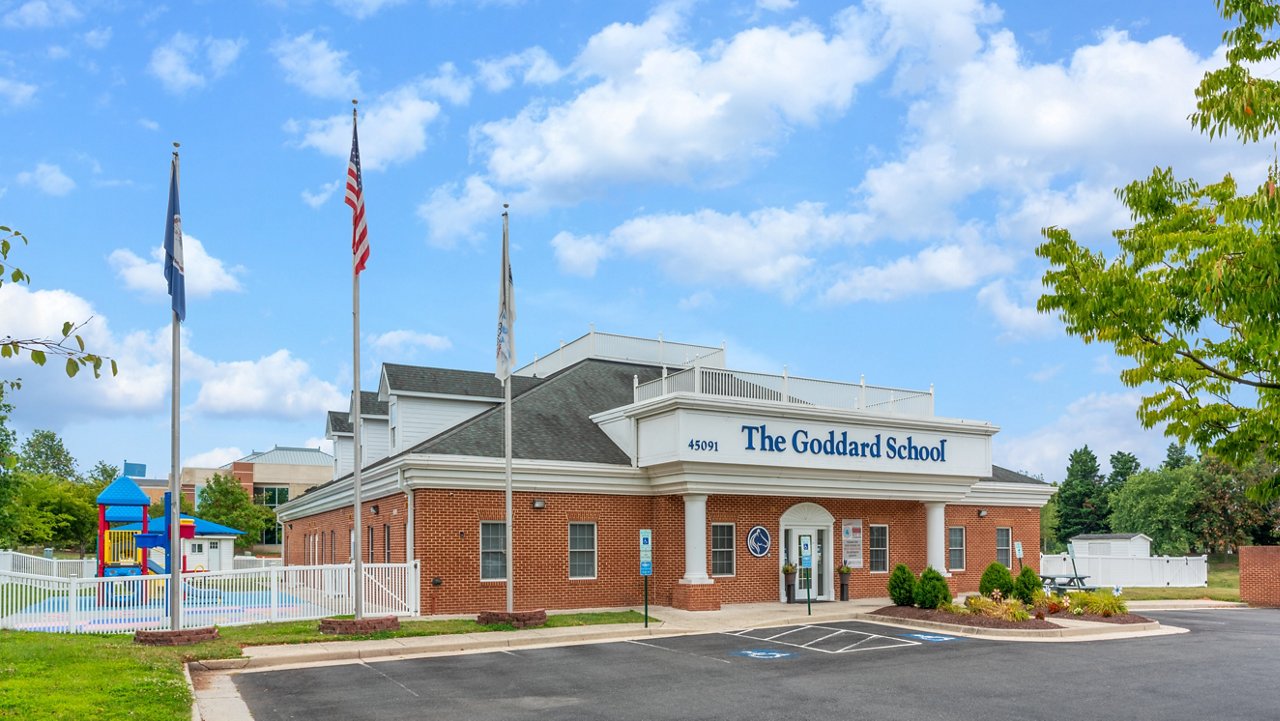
[929, 614]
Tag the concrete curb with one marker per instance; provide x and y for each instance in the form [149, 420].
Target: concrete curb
[1095, 631]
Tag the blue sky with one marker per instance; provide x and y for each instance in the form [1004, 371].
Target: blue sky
[846, 190]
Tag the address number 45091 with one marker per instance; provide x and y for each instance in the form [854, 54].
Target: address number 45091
[696, 445]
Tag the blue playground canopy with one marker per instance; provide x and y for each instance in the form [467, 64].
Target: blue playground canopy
[123, 492]
[203, 527]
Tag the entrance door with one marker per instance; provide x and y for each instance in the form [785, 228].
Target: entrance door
[819, 576]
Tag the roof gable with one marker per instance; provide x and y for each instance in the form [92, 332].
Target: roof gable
[448, 382]
[123, 492]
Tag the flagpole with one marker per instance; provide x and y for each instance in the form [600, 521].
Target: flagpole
[356, 546]
[175, 470]
[506, 429]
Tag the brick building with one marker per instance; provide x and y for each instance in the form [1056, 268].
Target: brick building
[735, 473]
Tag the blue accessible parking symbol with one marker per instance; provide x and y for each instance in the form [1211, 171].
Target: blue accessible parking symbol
[930, 637]
[767, 654]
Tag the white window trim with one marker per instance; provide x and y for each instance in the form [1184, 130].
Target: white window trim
[595, 550]
[502, 550]
[733, 549]
[885, 526]
[386, 543]
[964, 548]
[1008, 548]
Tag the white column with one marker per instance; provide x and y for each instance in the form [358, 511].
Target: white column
[935, 536]
[695, 539]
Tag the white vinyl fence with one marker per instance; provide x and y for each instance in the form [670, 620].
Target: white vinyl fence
[242, 562]
[61, 568]
[1128, 571]
[33, 602]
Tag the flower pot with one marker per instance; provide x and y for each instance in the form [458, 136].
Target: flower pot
[844, 587]
[790, 582]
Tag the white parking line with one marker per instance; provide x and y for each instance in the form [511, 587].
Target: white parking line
[851, 648]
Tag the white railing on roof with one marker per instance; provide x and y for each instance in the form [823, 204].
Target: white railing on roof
[784, 388]
[32, 602]
[60, 567]
[610, 346]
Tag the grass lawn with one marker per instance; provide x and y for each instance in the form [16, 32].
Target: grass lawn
[1224, 584]
[63, 676]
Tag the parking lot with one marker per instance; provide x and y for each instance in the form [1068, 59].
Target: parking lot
[1224, 668]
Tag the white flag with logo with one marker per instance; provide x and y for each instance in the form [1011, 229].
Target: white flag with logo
[506, 311]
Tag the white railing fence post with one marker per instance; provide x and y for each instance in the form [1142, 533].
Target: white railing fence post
[274, 580]
[73, 604]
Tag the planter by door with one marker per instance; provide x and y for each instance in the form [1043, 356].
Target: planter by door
[790, 580]
[844, 587]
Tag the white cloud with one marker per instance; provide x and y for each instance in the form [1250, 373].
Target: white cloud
[775, 5]
[1046, 373]
[448, 84]
[277, 385]
[148, 123]
[453, 213]
[15, 92]
[57, 52]
[1019, 318]
[97, 38]
[393, 129]
[361, 9]
[321, 196]
[175, 62]
[214, 457]
[324, 444]
[48, 179]
[942, 267]
[659, 110]
[772, 249]
[700, 299]
[1106, 422]
[311, 65]
[533, 66]
[205, 274]
[42, 14]
[399, 341]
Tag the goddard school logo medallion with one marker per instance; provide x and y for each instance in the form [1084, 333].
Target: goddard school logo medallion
[759, 541]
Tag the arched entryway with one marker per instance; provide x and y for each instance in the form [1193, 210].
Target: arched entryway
[811, 522]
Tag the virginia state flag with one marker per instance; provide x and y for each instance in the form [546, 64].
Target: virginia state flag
[173, 270]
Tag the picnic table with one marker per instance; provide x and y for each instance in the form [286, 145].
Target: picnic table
[1061, 582]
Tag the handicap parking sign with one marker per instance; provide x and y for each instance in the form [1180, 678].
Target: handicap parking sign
[930, 637]
[767, 654]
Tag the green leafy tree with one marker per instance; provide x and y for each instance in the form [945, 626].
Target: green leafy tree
[1082, 499]
[223, 500]
[1123, 465]
[69, 346]
[1159, 504]
[43, 453]
[1224, 517]
[102, 474]
[8, 477]
[1190, 296]
[184, 506]
[1176, 456]
[55, 512]
[1049, 522]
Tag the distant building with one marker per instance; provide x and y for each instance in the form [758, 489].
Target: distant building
[273, 477]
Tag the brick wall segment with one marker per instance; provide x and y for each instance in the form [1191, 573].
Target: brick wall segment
[1260, 575]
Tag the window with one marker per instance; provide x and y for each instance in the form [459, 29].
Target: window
[722, 549]
[879, 545]
[332, 557]
[955, 548]
[386, 543]
[493, 551]
[370, 543]
[1003, 543]
[582, 550]
[197, 548]
[271, 496]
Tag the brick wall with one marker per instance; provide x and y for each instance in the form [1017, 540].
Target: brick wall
[1260, 575]
[300, 534]
[447, 542]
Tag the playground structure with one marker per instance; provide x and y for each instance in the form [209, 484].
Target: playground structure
[128, 552]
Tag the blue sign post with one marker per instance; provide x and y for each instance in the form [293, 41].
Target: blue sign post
[646, 566]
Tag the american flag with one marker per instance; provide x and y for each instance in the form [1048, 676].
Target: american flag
[355, 198]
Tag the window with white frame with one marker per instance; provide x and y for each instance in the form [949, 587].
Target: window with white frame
[879, 547]
[493, 551]
[722, 560]
[955, 548]
[371, 556]
[386, 543]
[582, 550]
[1004, 537]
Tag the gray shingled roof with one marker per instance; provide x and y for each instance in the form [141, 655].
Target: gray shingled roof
[288, 455]
[339, 422]
[370, 405]
[452, 382]
[552, 421]
[1004, 475]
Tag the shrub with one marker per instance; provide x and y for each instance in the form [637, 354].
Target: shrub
[996, 576]
[956, 608]
[902, 586]
[1014, 610]
[1040, 598]
[1101, 603]
[981, 605]
[932, 590]
[1026, 585]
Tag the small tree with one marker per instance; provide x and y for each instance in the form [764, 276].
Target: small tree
[1026, 585]
[224, 501]
[932, 591]
[902, 586]
[996, 576]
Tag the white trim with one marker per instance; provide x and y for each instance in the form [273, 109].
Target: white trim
[964, 548]
[887, 563]
[1009, 548]
[503, 551]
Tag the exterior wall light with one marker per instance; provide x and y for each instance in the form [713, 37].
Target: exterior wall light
[539, 504]
[982, 513]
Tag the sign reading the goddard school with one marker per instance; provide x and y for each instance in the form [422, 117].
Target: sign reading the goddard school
[818, 443]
